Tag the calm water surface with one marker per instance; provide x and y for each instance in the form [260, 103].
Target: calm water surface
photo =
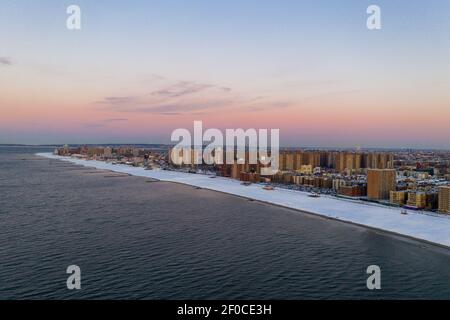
[138, 239]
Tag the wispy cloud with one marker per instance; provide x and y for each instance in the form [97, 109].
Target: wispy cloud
[180, 89]
[118, 100]
[116, 120]
[171, 98]
[185, 88]
[190, 97]
[192, 107]
[6, 61]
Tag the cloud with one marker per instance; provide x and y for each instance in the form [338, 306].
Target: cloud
[119, 100]
[170, 113]
[175, 98]
[116, 120]
[102, 123]
[155, 76]
[182, 88]
[181, 108]
[6, 61]
[165, 96]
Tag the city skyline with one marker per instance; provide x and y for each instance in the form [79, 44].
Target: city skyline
[407, 180]
[136, 71]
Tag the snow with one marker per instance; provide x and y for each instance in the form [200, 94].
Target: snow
[428, 227]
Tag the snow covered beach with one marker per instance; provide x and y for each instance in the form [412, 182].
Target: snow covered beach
[430, 228]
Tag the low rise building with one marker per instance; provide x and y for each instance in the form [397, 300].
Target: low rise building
[398, 197]
[417, 200]
[352, 191]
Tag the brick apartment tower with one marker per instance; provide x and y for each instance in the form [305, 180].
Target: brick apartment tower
[380, 182]
[444, 199]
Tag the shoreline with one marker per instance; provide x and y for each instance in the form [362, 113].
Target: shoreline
[403, 237]
[400, 236]
[427, 229]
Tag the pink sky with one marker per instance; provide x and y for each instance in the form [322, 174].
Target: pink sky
[322, 82]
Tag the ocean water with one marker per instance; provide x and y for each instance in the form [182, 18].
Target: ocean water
[135, 238]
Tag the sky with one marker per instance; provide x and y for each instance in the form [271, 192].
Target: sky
[137, 70]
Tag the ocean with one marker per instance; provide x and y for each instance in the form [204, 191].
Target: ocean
[136, 238]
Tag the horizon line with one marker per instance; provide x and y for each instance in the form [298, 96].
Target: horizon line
[360, 148]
